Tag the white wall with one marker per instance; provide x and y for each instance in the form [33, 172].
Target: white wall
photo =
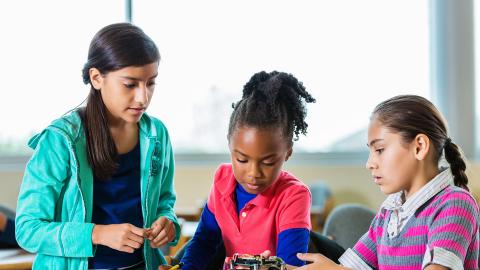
[192, 183]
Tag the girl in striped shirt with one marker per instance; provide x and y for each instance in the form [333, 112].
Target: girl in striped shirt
[429, 220]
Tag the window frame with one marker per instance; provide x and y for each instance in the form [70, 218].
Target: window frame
[446, 21]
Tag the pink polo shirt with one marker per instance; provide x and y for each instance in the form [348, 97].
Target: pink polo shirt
[284, 205]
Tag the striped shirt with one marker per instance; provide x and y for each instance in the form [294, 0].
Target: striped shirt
[439, 224]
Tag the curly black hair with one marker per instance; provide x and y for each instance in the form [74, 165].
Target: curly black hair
[270, 100]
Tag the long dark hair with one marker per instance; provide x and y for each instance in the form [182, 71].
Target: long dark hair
[410, 115]
[275, 99]
[114, 47]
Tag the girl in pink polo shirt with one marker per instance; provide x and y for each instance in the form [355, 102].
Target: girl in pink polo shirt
[254, 205]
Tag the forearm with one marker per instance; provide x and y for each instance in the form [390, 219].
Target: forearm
[65, 239]
[204, 243]
[291, 242]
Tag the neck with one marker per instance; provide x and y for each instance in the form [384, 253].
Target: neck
[427, 171]
[125, 137]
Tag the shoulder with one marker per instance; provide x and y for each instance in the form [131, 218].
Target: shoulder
[455, 196]
[287, 184]
[451, 204]
[223, 183]
[223, 176]
[288, 191]
[67, 128]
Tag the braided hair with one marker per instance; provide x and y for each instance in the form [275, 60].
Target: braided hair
[410, 115]
[272, 100]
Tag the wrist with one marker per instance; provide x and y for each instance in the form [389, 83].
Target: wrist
[96, 234]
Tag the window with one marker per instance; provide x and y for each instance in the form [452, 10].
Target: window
[43, 53]
[349, 54]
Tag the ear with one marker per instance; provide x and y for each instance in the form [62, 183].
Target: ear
[96, 78]
[421, 145]
[289, 153]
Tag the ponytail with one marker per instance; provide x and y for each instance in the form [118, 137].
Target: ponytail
[101, 150]
[457, 164]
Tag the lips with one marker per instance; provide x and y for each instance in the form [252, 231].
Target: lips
[253, 187]
[377, 179]
[137, 110]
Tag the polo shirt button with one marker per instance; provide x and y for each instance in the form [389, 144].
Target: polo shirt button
[244, 214]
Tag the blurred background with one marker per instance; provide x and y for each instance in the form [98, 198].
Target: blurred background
[349, 54]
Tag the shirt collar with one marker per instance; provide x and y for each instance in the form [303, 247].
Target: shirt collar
[438, 183]
[263, 199]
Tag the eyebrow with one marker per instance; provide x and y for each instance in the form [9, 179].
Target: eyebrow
[374, 141]
[265, 157]
[137, 79]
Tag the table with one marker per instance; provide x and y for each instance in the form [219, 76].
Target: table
[15, 259]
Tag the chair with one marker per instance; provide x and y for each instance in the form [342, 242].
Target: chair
[322, 203]
[347, 223]
[323, 245]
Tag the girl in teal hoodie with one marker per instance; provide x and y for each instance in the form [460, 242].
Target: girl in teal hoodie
[98, 191]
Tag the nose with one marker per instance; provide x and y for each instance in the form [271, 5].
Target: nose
[371, 164]
[254, 171]
[141, 94]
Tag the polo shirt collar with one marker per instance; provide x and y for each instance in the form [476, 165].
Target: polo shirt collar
[263, 199]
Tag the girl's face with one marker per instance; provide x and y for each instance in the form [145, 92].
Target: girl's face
[392, 161]
[258, 156]
[126, 92]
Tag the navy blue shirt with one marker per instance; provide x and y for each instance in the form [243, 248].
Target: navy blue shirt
[115, 201]
[208, 237]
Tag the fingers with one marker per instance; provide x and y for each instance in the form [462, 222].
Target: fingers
[157, 226]
[132, 244]
[135, 237]
[138, 231]
[164, 267]
[309, 257]
[163, 237]
[266, 253]
[132, 238]
[126, 249]
[161, 232]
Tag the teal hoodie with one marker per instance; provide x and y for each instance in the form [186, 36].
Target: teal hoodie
[54, 209]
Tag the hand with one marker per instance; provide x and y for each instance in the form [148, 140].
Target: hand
[267, 254]
[318, 262]
[123, 237]
[161, 232]
[164, 267]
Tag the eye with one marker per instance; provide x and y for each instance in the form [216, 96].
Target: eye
[152, 83]
[269, 163]
[129, 85]
[242, 160]
[380, 150]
